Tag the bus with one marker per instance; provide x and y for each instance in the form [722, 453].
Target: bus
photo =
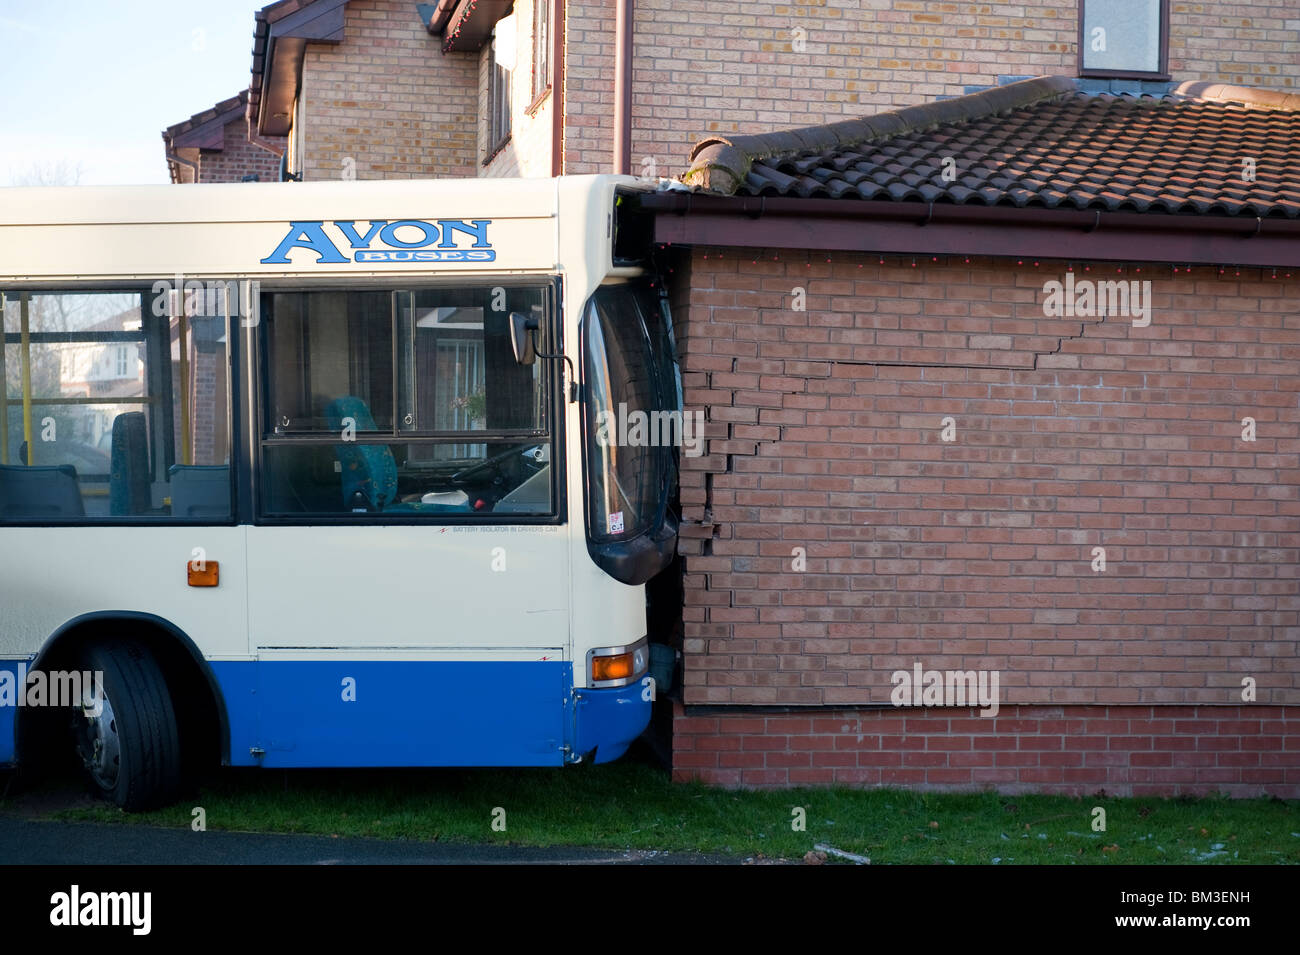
[317, 475]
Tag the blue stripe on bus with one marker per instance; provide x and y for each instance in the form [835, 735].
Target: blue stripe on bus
[420, 713]
[410, 714]
[8, 713]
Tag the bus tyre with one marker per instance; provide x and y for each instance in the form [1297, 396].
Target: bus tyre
[127, 740]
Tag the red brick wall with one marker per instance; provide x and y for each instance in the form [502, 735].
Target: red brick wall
[731, 66]
[589, 89]
[388, 100]
[238, 157]
[1076, 750]
[386, 103]
[209, 406]
[824, 434]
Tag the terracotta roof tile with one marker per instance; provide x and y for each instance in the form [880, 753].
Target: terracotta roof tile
[1039, 142]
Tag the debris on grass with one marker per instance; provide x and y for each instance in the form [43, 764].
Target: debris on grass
[840, 853]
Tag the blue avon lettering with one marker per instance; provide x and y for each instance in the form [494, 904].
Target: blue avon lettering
[401, 240]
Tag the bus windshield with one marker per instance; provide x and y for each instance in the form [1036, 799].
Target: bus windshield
[634, 428]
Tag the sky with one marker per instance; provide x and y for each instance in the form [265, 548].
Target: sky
[86, 88]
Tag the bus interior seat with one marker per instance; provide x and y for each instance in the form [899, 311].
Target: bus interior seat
[128, 480]
[368, 469]
[200, 490]
[531, 497]
[29, 492]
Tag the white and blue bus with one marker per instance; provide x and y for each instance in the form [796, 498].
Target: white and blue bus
[316, 475]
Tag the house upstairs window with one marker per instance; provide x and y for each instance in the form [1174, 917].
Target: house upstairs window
[1124, 39]
[542, 78]
[500, 74]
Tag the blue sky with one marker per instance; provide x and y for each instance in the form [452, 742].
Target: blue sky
[93, 84]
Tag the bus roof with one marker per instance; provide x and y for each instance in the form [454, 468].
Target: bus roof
[344, 228]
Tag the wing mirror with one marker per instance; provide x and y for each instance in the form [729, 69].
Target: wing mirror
[523, 329]
[523, 340]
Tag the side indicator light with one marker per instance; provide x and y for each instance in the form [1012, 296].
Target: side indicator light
[202, 573]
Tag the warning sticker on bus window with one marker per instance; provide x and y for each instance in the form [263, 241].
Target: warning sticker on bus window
[616, 522]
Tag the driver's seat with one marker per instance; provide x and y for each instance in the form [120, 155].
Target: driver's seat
[368, 469]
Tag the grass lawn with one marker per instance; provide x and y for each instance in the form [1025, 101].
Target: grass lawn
[632, 805]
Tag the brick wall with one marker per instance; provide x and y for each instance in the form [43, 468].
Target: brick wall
[589, 90]
[388, 99]
[1076, 750]
[209, 405]
[730, 66]
[825, 435]
[238, 157]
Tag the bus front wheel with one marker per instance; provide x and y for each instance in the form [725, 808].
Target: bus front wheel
[125, 732]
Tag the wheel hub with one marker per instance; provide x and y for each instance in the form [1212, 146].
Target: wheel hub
[97, 741]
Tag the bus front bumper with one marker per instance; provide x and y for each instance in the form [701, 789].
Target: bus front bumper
[608, 720]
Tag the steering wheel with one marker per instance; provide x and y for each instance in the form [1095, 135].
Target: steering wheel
[467, 474]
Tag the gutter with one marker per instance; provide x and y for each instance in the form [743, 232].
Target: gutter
[557, 87]
[623, 88]
[949, 229]
[173, 157]
[436, 15]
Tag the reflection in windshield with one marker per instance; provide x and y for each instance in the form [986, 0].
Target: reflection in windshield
[632, 412]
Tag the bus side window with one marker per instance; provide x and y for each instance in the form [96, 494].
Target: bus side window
[109, 388]
[436, 432]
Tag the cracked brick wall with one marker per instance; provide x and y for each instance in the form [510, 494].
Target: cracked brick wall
[825, 450]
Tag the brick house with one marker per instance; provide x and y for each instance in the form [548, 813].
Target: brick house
[910, 461]
[388, 88]
[214, 146]
[841, 302]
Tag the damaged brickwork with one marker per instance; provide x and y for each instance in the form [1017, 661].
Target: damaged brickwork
[832, 536]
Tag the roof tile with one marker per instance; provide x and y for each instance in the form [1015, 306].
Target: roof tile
[1039, 142]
